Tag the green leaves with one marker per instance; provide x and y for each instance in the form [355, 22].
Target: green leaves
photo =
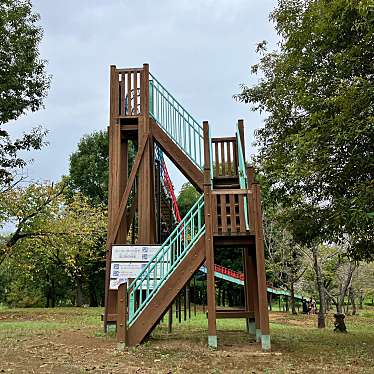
[187, 198]
[53, 238]
[316, 148]
[23, 81]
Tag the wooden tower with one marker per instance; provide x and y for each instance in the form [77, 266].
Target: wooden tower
[143, 114]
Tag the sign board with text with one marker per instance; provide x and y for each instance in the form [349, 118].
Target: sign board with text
[128, 261]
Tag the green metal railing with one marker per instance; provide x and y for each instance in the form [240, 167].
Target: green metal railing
[166, 260]
[182, 128]
[242, 171]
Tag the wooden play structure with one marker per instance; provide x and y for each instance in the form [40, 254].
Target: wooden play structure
[146, 118]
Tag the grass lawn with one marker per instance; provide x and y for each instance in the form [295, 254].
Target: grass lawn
[70, 340]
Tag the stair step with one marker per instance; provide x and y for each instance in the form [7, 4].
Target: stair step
[227, 186]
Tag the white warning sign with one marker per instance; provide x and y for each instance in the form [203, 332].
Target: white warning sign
[128, 262]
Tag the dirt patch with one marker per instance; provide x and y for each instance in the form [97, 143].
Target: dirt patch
[77, 351]
[73, 350]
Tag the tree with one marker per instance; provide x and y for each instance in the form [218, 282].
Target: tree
[363, 282]
[56, 241]
[24, 208]
[284, 258]
[89, 165]
[284, 251]
[316, 147]
[23, 81]
[187, 198]
[338, 271]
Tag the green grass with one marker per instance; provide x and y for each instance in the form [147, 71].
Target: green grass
[23, 322]
[297, 343]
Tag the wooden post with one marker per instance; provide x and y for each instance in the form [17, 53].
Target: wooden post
[176, 306]
[209, 246]
[250, 290]
[113, 195]
[180, 307]
[204, 295]
[122, 313]
[185, 304]
[146, 198]
[194, 295]
[250, 175]
[188, 293]
[241, 135]
[261, 276]
[170, 319]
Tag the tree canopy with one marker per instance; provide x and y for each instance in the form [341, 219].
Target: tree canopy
[316, 147]
[23, 80]
[187, 198]
[89, 165]
[57, 243]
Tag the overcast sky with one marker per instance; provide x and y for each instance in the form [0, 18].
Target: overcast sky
[201, 50]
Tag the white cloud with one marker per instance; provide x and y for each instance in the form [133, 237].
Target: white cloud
[200, 49]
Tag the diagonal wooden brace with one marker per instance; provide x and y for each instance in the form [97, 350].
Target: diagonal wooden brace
[126, 193]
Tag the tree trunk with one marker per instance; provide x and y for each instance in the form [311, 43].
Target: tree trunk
[48, 299]
[339, 305]
[93, 294]
[361, 301]
[328, 303]
[353, 302]
[53, 293]
[344, 287]
[292, 299]
[321, 289]
[79, 290]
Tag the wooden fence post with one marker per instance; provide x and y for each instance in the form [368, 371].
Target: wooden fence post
[122, 313]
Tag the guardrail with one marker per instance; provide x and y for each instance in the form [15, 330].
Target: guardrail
[182, 128]
[165, 261]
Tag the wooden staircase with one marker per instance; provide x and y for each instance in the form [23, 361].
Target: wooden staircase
[227, 211]
[162, 300]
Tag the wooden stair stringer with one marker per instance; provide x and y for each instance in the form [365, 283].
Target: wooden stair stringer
[179, 158]
[153, 312]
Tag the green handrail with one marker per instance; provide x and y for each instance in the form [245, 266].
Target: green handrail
[185, 131]
[159, 268]
[242, 175]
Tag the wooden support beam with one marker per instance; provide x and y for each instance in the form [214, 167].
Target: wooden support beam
[250, 176]
[122, 313]
[126, 194]
[170, 319]
[209, 245]
[239, 313]
[241, 135]
[179, 158]
[110, 317]
[261, 275]
[146, 197]
[131, 213]
[253, 289]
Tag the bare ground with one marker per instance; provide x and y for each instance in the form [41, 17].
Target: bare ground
[69, 340]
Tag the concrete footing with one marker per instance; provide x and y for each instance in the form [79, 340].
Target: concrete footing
[258, 335]
[212, 341]
[251, 328]
[265, 343]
